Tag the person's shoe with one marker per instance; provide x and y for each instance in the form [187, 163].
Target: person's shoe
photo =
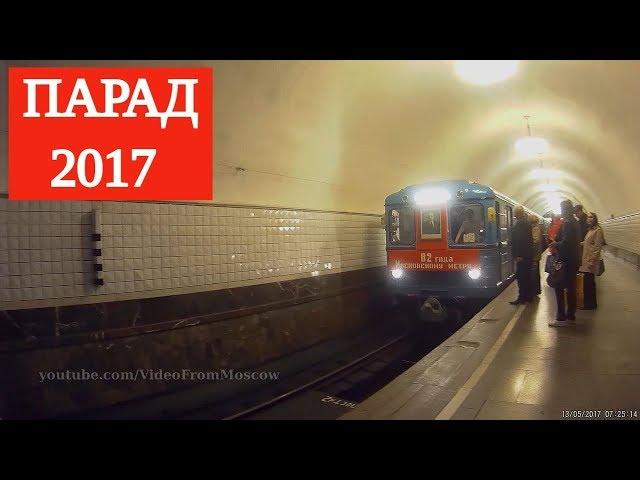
[517, 302]
[571, 318]
[559, 323]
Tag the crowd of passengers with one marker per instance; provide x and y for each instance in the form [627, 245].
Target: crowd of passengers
[575, 241]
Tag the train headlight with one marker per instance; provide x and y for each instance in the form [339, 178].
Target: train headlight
[432, 196]
[474, 273]
[397, 272]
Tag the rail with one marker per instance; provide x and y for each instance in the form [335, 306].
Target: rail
[306, 386]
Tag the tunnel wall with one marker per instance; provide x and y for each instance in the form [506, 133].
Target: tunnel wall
[622, 235]
[187, 285]
[234, 329]
[155, 249]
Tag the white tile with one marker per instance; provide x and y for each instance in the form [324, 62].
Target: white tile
[193, 242]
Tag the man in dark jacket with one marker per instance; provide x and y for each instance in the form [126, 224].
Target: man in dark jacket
[582, 220]
[567, 244]
[583, 227]
[522, 242]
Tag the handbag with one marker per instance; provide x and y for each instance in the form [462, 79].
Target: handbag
[548, 264]
[599, 268]
[556, 278]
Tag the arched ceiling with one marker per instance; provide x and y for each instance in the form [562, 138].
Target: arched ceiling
[343, 134]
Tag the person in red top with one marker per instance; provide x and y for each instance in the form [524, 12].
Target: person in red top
[556, 223]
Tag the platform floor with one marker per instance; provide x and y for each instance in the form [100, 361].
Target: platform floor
[531, 370]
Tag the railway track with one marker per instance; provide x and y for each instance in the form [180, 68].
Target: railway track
[327, 393]
[323, 382]
[334, 375]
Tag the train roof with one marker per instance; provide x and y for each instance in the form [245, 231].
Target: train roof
[459, 189]
[470, 191]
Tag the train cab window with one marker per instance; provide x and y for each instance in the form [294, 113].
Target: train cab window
[402, 226]
[467, 224]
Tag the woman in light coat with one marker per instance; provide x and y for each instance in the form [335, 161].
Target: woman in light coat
[591, 253]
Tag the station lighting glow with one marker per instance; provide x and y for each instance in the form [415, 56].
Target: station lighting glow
[432, 196]
[549, 187]
[542, 173]
[485, 72]
[474, 273]
[397, 273]
[531, 146]
[553, 202]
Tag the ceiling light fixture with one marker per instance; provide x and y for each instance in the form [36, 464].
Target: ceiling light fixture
[485, 72]
[549, 187]
[544, 173]
[531, 146]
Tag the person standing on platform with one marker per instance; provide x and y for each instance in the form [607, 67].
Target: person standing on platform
[554, 228]
[567, 244]
[582, 220]
[592, 249]
[523, 253]
[581, 216]
[538, 247]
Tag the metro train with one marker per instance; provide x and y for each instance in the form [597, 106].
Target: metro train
[449, 242]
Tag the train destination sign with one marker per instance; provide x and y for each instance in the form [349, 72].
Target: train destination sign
[449, 260]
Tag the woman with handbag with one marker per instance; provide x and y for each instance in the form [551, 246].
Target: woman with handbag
[592, 263]
[565, 267]
[554, 229]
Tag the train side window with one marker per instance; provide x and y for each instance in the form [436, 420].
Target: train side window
[504, 222]
[402, 226]
[467, 224]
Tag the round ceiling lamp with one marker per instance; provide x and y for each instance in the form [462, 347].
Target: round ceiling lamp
[485, 72]
[531, 146]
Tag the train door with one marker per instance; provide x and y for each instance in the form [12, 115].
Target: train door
[505, 220]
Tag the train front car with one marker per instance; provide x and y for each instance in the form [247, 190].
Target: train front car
[448, 242]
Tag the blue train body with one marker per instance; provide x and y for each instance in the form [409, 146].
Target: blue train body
[449, 240]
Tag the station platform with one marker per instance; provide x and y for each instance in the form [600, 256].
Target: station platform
[508, 363]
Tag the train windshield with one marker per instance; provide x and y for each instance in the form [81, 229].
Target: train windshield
[467, 224]
[402, 226]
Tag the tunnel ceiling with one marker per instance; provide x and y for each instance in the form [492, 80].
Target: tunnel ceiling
[364, 129]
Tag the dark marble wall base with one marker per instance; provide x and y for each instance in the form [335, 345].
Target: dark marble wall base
[626, 255]
[237, 328]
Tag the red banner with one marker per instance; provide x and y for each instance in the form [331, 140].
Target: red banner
[110, 133]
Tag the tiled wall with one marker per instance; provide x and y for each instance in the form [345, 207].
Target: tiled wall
[623, 232]
[155, 249]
